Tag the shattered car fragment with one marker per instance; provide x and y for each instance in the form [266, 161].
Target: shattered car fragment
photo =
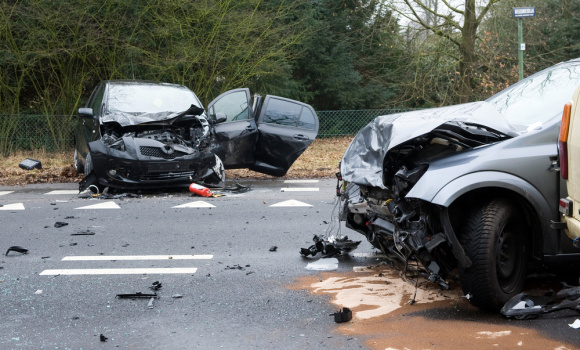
[138, 134]
[472, 186]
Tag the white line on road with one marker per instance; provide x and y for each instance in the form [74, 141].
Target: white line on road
[2, 193]
[197, 204]
[63, 192]
[143, 271]
[291, 203]
[14, 206]
[105, 205]
[299, 189]
[136, 257]
[300, 181]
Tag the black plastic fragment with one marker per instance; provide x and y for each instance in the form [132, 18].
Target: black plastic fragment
[136, 295]
[83, 233]
[523, 306]
[343, 315]
[329, 246]
[30, 164]
[273, 248]
[18, 249]
[59, 224]
[102, 338]
[156, 286]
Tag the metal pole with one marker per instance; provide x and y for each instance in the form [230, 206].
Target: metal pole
[520, 51]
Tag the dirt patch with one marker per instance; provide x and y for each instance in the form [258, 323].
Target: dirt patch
[438, 319]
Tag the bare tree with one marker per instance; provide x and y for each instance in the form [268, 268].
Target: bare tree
[462, 32]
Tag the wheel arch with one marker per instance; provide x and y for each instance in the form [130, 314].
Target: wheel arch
[471, 189]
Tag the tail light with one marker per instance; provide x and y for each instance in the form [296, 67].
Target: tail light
[563, 141]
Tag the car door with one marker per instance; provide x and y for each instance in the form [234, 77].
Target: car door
[87, 129]
[285, 130]
[235, 138]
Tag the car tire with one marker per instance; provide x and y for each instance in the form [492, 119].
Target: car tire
[493, 238]
[78, 164]
[88, 164]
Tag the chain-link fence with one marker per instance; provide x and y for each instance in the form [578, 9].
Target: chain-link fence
[55, 132]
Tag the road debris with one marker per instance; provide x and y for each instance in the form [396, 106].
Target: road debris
[177, 296]
[136, 295]
[273, 248]
[236, 267]
[83, 233]
[575, 325]
[200, 190]
[16, 248]
[522, 306]
[156, 286]
[60, 224]
[324, 264]
[30, 164]
[330, 246]
[102, 338]
[150, 303]
[343, 315]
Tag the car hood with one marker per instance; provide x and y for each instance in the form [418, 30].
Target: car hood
[128, 119]
[362, 162]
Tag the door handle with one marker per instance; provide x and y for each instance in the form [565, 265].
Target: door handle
[300, 137]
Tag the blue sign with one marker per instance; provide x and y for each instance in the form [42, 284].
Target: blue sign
[523, 12]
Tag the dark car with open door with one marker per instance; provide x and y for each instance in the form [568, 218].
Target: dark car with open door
[140, 134]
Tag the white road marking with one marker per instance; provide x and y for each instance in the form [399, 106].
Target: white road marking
[138, 271]
[196, 204]
[291, 203]
[105, 205]
[299, 189]
[369, 255]
[63, 192]
[136, 257]
[14, 206]
[300, 181]
[2, 193]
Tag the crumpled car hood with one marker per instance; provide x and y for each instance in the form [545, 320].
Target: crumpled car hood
[128, 119]
[362, 163]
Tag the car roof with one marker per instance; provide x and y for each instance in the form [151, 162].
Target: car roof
[138, 82]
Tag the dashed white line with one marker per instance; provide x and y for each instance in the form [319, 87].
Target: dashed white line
[291, 203]
[300, 181]
[14, 206]
[62, 192]
[136, 271]
[299, 189]
[197, 204]
[3, 193]
[136, 257]
[105, 205]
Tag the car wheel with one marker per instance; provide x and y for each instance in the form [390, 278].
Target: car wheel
[493, 238]
[78, 164]
[88, 164]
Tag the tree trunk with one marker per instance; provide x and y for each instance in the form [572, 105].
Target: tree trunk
[467, 51]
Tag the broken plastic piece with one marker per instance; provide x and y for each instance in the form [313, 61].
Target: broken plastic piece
[102, 338]
[156, 286]
[522, 306]
[325, 264]
[330, 246]
[59, 224]
[136, 295]
[273, 248]
[575, 325]
[30, 164]
[83, 233]
[150, 303]
[200, 190]
[343, 315]
[18, 249]
[177, 296]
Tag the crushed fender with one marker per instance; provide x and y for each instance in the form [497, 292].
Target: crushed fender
[330, 246]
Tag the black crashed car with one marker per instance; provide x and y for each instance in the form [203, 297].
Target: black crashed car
[141, 134]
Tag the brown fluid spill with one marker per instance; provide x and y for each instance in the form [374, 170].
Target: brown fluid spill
[439, 319]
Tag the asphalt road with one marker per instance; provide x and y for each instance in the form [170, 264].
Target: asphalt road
[233, 293]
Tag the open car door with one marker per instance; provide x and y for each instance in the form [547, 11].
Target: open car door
[285, 130]
[236, 137]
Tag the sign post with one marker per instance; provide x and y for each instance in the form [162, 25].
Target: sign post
[520, 13]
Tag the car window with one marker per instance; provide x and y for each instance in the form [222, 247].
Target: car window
[97, 101]
[234, 105]
[539, 97]
[149, 98]
[307, 120]
[282, 112]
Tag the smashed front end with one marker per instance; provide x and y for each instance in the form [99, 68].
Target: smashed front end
[383, 163]
[159, 150]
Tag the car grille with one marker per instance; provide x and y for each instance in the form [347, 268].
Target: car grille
[156, 152]
[167, 176]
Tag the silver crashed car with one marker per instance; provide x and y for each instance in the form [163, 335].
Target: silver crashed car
[473, 186]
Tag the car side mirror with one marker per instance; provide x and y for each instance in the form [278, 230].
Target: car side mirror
[86, 113]
[220, 117]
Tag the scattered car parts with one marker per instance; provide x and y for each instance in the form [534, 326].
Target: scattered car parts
[30, 164]
[522, 306]
[343, 315]
[18, 249]
[330, 246]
